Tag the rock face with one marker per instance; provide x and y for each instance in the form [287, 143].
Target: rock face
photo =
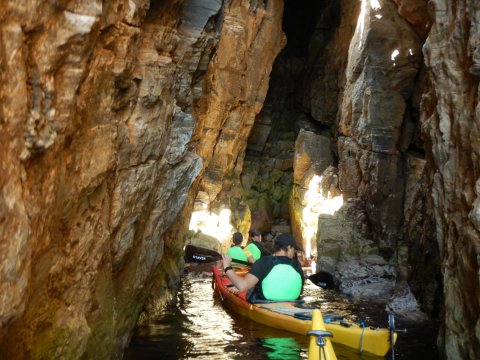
[450, 115]
[112, 114]
[384, 59]
[315, 185]
[408, 150]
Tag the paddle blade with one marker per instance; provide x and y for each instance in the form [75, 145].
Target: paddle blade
[323, 279]
[201, 255]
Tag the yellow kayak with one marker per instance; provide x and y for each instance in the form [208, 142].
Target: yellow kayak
[320, 347]
[290, 317]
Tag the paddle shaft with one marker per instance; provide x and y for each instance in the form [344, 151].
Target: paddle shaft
[198, 254]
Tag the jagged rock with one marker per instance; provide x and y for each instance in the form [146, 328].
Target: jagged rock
[416, 13]
[449, 121]
[384, 59]
[369, 279]
[311, 151]
[258, 137]
[312, 174]
[404, 304]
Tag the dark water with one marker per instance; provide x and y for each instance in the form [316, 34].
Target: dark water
[194, 325]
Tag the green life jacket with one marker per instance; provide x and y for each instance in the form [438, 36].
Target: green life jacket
[254, 250]
[236, 252]
[283, 282]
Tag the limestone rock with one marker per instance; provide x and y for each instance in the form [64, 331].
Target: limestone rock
[450, 119]
[311, 152]
[315, 187]
[113, 115]
[416, 13]
[384, 58]
[342, 236]
[366, 280]
[404, 304]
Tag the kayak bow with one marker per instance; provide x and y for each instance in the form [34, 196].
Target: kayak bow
[320, 347]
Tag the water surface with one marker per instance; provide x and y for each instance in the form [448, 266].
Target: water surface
[194, 325]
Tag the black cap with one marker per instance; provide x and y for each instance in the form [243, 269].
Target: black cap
[283, 240]
[255, 232]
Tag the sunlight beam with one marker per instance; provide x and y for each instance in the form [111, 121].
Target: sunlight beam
[213, 224]
[316, 204]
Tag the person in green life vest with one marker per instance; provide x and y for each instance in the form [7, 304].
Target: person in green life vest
[255, 250]
[275, 277]
[236, 250]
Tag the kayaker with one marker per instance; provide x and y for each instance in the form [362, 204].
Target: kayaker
[255, 249]
[274, 277]
[236, 250]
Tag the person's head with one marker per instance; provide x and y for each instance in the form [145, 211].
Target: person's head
[287, 243]
[255, 235]
[237, 238]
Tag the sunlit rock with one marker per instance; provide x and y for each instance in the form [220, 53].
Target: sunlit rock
[315, 190]
[416, 13]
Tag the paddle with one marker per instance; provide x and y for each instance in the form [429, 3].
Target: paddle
[262, 249]
[391, 325]
[202, 255]
[323, 279]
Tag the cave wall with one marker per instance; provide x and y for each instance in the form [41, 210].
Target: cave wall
[407, 149]
[111, 114]
[450, 118]
[383, 61]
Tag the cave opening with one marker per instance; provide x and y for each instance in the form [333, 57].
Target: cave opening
[267, 175]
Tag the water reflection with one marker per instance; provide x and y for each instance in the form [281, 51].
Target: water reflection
[194, 325]
[281, 348]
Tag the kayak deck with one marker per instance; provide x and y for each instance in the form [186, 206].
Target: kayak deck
[289, 316]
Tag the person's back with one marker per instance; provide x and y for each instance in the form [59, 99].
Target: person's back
[280, 275]
[255, 249]
[236, 252]
[281, 279]
[253, 252]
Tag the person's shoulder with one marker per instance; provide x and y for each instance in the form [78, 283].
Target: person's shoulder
[295, 262]
[264, 260]
[268, 260]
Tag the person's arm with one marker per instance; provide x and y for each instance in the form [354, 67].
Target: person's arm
[242, 283]
[250, 257]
